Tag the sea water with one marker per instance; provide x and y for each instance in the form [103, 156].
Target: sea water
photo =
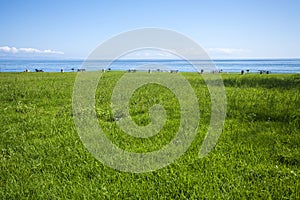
[253, 65]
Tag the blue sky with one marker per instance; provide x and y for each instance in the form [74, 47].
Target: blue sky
[225, 29]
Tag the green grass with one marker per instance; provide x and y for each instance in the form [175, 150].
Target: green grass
[257, 155]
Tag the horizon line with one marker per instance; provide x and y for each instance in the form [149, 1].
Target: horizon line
[148, 59]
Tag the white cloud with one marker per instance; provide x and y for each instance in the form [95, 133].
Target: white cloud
[149, 54]
[14, 50]
[227, 52]
[212, 52]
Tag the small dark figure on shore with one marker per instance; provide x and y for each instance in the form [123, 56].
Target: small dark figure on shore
[149, 71]
[247, 70]
[72, 69]
[242, 72]
[39, 70]
[201, 71]
[61, 70]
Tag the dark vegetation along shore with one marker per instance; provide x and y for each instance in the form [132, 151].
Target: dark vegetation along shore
[257, 155]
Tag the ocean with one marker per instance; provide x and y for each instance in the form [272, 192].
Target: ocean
[253, 65]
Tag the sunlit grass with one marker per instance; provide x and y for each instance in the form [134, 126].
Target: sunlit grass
[256, 157]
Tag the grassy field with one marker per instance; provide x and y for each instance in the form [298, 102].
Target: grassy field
[257, 155]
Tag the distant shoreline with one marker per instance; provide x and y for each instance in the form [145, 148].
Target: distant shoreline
[125, 71]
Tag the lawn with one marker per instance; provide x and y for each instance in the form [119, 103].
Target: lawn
[256, 157]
